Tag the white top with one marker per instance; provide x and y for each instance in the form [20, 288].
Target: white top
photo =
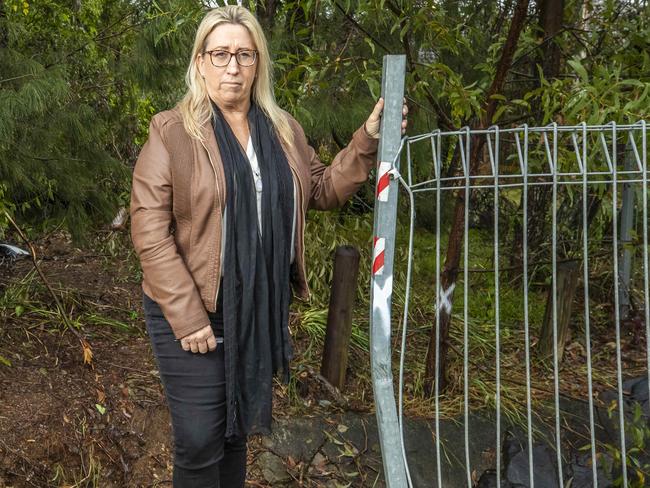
[257, 178]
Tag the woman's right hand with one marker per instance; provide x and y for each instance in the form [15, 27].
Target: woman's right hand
[203, 340]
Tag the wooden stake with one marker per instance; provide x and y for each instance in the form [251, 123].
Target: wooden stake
[567, 282]
[339, 317]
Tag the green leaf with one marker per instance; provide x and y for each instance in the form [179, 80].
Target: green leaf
[375, 88]
[637, 83]
[404, 30]
[579, 69]
[100, 408]
[370, 43]
[498, 113]
[513, 195]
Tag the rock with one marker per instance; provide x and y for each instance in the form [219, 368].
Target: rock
[635, 395]
[285, 433]
[637, 390]
[339, 449]
[544, 468]
[489, 480]
[517, 471]
[577, 473]
[418, 439]
[583, 475]
[272, 468]
[319, 465]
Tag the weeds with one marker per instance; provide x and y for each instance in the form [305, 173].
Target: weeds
[25, 298]
[114, 245]
[637, 459]
[88, 475]
[326, 231]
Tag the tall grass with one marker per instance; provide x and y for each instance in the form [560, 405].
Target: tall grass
[326, 231]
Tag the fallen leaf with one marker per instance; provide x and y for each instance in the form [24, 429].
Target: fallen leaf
[87, 353]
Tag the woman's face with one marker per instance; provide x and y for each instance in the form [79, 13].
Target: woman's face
[228, 86]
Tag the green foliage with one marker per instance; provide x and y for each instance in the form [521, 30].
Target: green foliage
[637, 431]
[607, 72]
[62, 110]
[29, 299]
[160, 53]
[81, 80]
[6, 208]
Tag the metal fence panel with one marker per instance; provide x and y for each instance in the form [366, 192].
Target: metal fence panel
[577, 167]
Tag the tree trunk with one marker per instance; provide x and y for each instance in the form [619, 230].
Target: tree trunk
[551, 19]
[266, 10]
[450, 271]
[505, 10]
[3, 31]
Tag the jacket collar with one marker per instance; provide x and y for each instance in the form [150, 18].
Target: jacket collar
[210, 141]
[210, 144]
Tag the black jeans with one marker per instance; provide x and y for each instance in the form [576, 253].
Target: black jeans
[195, 388]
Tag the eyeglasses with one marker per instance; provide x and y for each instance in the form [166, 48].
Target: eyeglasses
[220, 58]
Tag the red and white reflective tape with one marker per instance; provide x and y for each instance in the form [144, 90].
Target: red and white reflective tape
[378, 259]
[383, 181]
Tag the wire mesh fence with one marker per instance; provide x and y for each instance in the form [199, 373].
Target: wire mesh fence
[528, 251]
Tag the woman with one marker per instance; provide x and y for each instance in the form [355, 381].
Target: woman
[220, 192]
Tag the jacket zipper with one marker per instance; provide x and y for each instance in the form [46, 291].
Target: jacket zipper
[216, 292]
[216, 182]
[302, 219]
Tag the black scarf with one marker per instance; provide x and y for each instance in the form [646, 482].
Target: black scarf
[256, 290]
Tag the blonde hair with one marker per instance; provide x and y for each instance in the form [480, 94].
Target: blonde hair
[195, 106]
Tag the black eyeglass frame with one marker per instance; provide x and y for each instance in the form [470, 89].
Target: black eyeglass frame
[230, 55]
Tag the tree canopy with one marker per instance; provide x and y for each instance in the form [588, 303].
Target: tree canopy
[81, 79]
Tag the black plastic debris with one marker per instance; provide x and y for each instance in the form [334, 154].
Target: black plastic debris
[10, 253]
[582, 472]
[636, 391]
[517, 471]
[577, 473]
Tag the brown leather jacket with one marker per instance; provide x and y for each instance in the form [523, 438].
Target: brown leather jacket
[177, 204]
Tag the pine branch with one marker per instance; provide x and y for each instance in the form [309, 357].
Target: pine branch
[360, 27]
[99, 37]
[17, 77]
[443, 118]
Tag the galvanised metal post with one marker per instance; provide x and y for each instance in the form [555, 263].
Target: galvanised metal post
[381, 289]
[627, 221]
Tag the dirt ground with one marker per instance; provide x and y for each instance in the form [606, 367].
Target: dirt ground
[64, 423]
[68, 423]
